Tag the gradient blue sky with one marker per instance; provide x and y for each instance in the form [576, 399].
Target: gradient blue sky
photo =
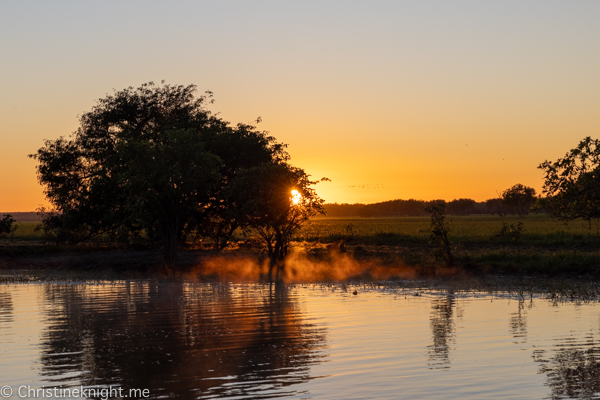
[421, 99]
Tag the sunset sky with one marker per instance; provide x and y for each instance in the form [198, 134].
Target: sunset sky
[388, 99]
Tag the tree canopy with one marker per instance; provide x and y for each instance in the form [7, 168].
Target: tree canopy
[7, 226]
[519, 199]
[278, 198]
[461, 206]
[572, 183]
[154, 160]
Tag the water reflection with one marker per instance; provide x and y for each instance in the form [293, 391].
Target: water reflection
[186, 340]
[518, 323]
[180, 340]
[573, 370]
[6, 307]
[442, 329]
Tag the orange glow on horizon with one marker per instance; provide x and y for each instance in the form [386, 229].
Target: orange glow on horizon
[404, 100]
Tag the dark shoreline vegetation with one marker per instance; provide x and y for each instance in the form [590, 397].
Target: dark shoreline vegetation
[337, 249]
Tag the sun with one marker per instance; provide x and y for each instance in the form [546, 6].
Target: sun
[296, 196]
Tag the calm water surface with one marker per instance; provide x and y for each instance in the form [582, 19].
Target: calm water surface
[191, 340]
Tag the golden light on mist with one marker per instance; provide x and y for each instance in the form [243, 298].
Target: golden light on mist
[296, 196]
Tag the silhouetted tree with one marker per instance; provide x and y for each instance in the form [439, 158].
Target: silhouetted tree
[461, 206]
[164, 182]
[243, 148]
[393, 208]
[439, 231]
[402, 208]
[572, 183]
[519, 199]
[150, 160]
[343, 210]
[495, 206]
[278, 200]
[7, 225]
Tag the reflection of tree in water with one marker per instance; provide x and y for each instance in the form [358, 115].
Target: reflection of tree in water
[442, 328]
[574, 369]
[518, 323]
[180, 340]
[6, 307]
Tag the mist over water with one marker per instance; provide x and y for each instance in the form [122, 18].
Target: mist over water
[300, 268]
[250, 341]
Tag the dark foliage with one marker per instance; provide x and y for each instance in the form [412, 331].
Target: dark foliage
[496, 206]
[150, 161]
[240, 149]
[461, 207]
[402, 208]
[572, 183]
[7, 225]
[439, 231]
[278, 199]
[519, 199]
[509, 233]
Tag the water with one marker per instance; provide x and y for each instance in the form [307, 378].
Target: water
[191, 340]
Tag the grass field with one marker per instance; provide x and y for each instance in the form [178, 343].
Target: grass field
[537, 229]
[26, 231]
[546, 245]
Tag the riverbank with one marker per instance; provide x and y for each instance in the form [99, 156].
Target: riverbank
[338, 261]
[341, 249]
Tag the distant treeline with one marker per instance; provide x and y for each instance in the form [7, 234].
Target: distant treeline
[412, 207]
[391, 208]
[30, 216]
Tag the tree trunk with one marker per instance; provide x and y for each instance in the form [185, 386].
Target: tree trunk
[170, 243]
[449, 256]
[280, 253]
